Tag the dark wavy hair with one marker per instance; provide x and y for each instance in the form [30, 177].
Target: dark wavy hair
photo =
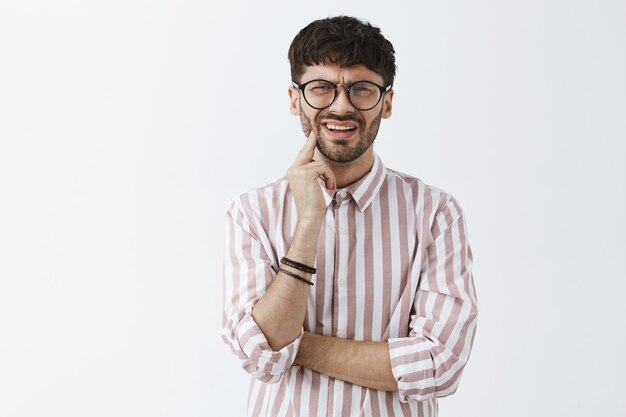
[345, 41]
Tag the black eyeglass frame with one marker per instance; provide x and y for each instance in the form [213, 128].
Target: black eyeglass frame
[302, 86]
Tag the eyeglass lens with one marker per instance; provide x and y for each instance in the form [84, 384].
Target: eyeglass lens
[363, 95]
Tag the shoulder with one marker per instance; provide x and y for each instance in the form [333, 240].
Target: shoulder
[434, 209]
[424, 196]
[255, 203]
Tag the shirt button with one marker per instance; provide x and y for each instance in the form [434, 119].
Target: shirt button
[343, 194]
[342, 282]
[343, 230]
[341, 334]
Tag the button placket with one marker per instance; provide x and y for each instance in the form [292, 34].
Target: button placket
[340, 289]
[336, 242]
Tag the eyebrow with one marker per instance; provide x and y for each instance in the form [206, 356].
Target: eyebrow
[347, 83]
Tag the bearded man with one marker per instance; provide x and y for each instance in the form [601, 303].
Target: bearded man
[348, 285]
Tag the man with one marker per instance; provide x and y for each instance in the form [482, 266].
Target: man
[348, 286]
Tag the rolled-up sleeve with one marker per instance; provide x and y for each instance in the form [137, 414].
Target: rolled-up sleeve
[429, 362]
[248, 273]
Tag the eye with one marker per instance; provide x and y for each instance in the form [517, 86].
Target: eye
[363, 89]
[320, 88]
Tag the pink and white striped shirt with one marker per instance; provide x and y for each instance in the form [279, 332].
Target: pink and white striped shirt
[393, 263]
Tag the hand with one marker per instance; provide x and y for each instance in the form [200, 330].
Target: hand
[302, 177]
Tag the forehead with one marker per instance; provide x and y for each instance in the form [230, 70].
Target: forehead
[337, 74]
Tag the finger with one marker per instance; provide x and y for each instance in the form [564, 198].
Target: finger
[317, 155]
[306, 153]
[330, 182]
[325, 173]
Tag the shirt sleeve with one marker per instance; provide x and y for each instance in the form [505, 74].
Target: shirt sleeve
[429, 362]
[247, 274]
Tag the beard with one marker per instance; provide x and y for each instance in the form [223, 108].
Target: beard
[339, 150]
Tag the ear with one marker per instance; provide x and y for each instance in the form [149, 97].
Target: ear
[387, 100]
[294, 98]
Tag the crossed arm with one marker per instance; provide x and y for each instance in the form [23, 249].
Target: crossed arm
[265, 329]
[280, 315]
[363, 363]
[359, 362]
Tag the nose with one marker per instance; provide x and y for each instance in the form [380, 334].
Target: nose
[342, 102]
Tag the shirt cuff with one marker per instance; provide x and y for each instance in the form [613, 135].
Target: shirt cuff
[412, 367]
[264, 363]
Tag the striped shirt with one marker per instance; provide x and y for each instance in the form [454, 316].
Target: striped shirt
[393, 263]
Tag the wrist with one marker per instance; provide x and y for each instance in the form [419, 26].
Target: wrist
[310, 220]
[308, 229]
[303, 246]
[305, 343]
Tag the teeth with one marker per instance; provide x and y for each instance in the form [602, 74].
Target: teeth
[335, 127]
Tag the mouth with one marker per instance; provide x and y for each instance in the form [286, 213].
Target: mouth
[339, 130]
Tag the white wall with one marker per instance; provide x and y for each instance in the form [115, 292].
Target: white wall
[125, 127]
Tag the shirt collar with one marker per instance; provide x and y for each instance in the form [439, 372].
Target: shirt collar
[364, 190]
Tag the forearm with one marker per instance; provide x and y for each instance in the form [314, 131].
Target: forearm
[363, 363]
[280, 311]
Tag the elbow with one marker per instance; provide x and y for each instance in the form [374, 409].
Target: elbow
[262, 374]
[448, 376]
[434, 383]
[449, 386]
[425, 392]
[255, 356]
[257, 365]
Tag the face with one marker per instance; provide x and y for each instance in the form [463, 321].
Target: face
[344, 133]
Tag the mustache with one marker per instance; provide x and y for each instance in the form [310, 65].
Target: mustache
[339, 118]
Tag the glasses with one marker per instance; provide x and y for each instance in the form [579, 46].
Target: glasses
[320, 94]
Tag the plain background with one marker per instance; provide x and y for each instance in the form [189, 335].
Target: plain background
[126, 126]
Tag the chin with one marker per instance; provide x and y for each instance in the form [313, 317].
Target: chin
[342, 156]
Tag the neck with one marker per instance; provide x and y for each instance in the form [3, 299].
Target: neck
[347, 173]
